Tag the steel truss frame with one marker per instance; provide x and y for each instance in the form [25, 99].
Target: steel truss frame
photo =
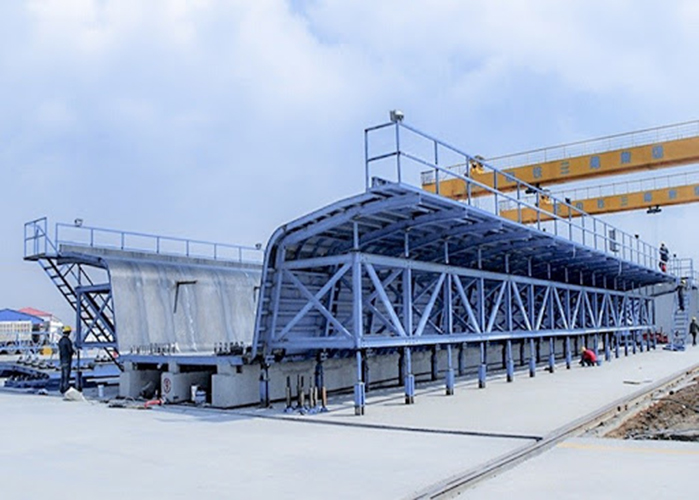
[365, 301]
[359, 301]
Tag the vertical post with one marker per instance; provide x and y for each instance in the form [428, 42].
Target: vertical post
[367, 179]
[434, 364]
[616, 344]
[365, 370]
[607, 350]
[595, 340]
[450, 372]
[532, 358]
[552, 354]
[398, 152]
[626, 343]
[569, 354]
[509, 361]
[482, 367]
[409, 378]
[359, 394]
[264, 385]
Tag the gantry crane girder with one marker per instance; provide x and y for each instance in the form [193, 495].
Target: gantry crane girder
[619, 160]
[637, 200]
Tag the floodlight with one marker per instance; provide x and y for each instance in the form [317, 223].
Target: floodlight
[396, 115]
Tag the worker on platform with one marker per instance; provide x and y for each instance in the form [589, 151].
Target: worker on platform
[65, 352]
[587, 357]
[680, 294]
[664, 257]
[693, 330]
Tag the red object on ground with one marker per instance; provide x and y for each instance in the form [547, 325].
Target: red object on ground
[590, 356]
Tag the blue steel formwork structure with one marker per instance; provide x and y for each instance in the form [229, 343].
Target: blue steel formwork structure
[398, 268]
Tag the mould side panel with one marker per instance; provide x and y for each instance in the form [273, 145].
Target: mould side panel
[192, 306]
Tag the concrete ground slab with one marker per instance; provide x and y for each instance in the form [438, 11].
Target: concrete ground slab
[179, 452]
[601, 469]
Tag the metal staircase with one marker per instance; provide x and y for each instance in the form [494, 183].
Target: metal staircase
[682, 303]
[77, 281]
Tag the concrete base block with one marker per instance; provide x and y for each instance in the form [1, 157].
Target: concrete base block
[131, 382]
[177, 387]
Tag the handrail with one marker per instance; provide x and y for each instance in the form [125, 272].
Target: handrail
[37, 242]
[613, 142]
[591, 231]
[630, 186]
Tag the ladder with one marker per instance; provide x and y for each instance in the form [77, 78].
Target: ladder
[680, 315]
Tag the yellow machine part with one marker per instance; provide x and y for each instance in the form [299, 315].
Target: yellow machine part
[618, 161]
[609, 204]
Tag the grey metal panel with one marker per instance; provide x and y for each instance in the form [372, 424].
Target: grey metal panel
[212, 305]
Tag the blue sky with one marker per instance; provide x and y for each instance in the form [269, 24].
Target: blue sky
[221, 120]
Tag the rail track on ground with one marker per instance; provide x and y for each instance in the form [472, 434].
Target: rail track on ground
[621, 409]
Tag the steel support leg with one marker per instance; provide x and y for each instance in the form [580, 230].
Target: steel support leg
[532, 358]
[634, 341]
[264, 387]
[569, 355]
[616, 344]
[450, 372]
[607, 350]
[359, 394]
[482, 368]
[409, 379]
[462, 359]
[626, 344]
[434, 363]
[595, 340]
[552, 355]
[509, 361]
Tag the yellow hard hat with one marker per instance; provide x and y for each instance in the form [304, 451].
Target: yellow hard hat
[67, 329]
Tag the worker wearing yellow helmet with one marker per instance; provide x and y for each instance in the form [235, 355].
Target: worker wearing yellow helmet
[65, 351]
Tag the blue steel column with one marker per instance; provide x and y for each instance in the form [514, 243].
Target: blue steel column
[595, 340]
[359, 394]
[569, 356]
[607, 351]
[617, 341]
[552, 354]
[482, 367]
[409, 382]
[509, 361]
[532, 358]
[450, 324]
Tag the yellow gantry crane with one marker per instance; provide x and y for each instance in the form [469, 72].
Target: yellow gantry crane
[649, 194]
[648, 149]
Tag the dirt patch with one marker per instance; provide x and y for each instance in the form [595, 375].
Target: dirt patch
[674, 417]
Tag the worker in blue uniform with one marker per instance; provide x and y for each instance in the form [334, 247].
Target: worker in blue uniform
[65, 352]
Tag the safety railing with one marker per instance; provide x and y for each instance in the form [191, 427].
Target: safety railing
[683, 268]
[37, 243]
[615, 142]
[626, 187]
[398, 152]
